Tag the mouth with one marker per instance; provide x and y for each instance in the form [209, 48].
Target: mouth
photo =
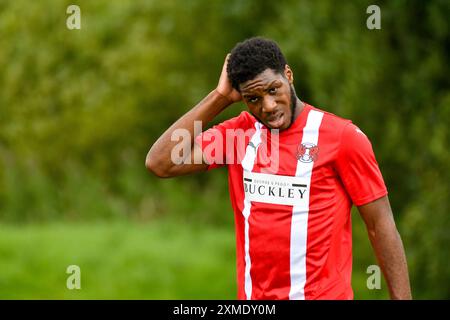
[276, 121]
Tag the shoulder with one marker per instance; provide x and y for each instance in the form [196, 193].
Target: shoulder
[247, 119]
[332, 120]
[332, 126]
[243, 121]
[342, 130]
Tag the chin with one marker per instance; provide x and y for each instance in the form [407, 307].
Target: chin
[284, 126]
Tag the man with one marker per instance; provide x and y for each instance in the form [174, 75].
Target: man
[291, 198]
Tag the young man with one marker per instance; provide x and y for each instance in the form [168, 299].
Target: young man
[292, 182]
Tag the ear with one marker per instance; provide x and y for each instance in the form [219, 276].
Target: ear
[289, 74]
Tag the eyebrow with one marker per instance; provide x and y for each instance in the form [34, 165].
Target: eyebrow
[246, 95]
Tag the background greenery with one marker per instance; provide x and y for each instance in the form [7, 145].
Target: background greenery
[79, 110]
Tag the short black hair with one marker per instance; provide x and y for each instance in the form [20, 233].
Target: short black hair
[251, 57]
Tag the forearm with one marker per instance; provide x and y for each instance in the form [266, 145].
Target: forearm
[390, 253]
[159, 155]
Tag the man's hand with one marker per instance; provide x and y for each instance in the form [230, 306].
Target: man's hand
[224, 86]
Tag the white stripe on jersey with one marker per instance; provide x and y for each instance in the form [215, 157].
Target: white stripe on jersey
[299, 224]
[247, 164]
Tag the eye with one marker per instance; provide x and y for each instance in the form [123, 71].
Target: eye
[253, 99]
[273, 90]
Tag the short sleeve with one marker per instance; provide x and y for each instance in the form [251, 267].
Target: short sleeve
[213, 142]
[358, 168]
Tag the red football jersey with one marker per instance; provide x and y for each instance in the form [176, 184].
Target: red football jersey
[292, 193]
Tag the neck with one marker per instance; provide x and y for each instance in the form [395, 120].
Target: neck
[299, 106]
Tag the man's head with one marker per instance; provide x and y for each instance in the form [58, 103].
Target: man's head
[258, 70]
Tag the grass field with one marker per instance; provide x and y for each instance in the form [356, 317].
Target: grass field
[161, 260]
[117, 261]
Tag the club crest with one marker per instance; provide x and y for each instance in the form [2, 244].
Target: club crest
[307, 152]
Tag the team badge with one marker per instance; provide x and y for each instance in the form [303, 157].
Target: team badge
[307, 152]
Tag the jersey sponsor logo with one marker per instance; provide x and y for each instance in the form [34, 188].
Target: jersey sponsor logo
[307, 152]
[274, 189]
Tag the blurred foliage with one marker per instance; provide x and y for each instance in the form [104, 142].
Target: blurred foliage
[79, 109]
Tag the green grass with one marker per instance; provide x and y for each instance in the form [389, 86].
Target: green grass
[117, 261]
[159, 260]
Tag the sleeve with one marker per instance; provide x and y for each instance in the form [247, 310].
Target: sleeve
[358, 168]
[213, 142]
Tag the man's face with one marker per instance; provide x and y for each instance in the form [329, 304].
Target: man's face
[270, 98]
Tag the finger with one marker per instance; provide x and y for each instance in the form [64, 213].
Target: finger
[227, 58]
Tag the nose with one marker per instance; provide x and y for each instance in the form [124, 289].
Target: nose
[269, 104]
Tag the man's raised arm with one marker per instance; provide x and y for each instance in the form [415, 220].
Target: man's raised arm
[159, 159]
